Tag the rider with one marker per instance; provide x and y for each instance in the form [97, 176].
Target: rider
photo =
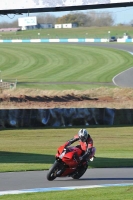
[86, 145]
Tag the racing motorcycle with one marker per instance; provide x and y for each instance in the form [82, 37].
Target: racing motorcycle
[67, 163]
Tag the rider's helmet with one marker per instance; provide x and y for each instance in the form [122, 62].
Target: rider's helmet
[83, 135]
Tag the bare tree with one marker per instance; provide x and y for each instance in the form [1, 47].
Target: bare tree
[131, 22]
[46, 18]
[5, 25]
[100, 19]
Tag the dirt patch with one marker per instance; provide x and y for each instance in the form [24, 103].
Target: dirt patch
[67, 101]
[98, 98]
[45, 101]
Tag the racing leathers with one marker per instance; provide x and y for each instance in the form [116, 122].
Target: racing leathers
[87, 148]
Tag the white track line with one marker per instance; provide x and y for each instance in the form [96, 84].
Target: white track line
[60, 188]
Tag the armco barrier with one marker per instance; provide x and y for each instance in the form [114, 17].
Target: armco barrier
[63, 117]
[63, 40]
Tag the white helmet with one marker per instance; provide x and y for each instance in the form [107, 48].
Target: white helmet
[83, 135]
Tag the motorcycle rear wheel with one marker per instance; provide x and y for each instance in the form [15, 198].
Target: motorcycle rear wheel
[52, 173]
[80, 171]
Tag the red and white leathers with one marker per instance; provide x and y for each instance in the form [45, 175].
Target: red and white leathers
[86, 147]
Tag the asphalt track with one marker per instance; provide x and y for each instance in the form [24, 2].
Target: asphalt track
[37, 179]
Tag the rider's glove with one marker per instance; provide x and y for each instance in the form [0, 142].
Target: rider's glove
[80, 158]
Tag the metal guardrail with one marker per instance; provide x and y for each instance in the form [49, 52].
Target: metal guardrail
[7, 85]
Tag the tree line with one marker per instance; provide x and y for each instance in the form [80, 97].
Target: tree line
[82, 19]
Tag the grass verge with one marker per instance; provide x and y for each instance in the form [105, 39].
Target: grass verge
[112, 193]
[34, 149]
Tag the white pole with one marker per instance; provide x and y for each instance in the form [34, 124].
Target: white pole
[0, 76]
[108, 35]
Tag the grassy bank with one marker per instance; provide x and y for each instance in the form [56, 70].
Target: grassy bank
[80, 32]
[51, 66]
[30, 149]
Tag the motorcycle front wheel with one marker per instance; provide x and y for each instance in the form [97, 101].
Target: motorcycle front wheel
[52, 173]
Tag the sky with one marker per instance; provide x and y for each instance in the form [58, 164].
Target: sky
[121, 15]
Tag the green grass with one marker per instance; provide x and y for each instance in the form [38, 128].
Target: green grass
[61, 63]
[81, 32]
[111, 193]
[34, 149]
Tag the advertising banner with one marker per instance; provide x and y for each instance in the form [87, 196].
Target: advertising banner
[27, 21]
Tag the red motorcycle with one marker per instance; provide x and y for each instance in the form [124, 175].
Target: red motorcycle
[67, 163]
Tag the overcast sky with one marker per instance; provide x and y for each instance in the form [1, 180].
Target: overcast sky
[121, 15]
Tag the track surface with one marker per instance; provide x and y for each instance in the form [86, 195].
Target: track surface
[37, 179]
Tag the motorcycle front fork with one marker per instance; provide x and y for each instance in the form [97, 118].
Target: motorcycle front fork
[61, 171]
